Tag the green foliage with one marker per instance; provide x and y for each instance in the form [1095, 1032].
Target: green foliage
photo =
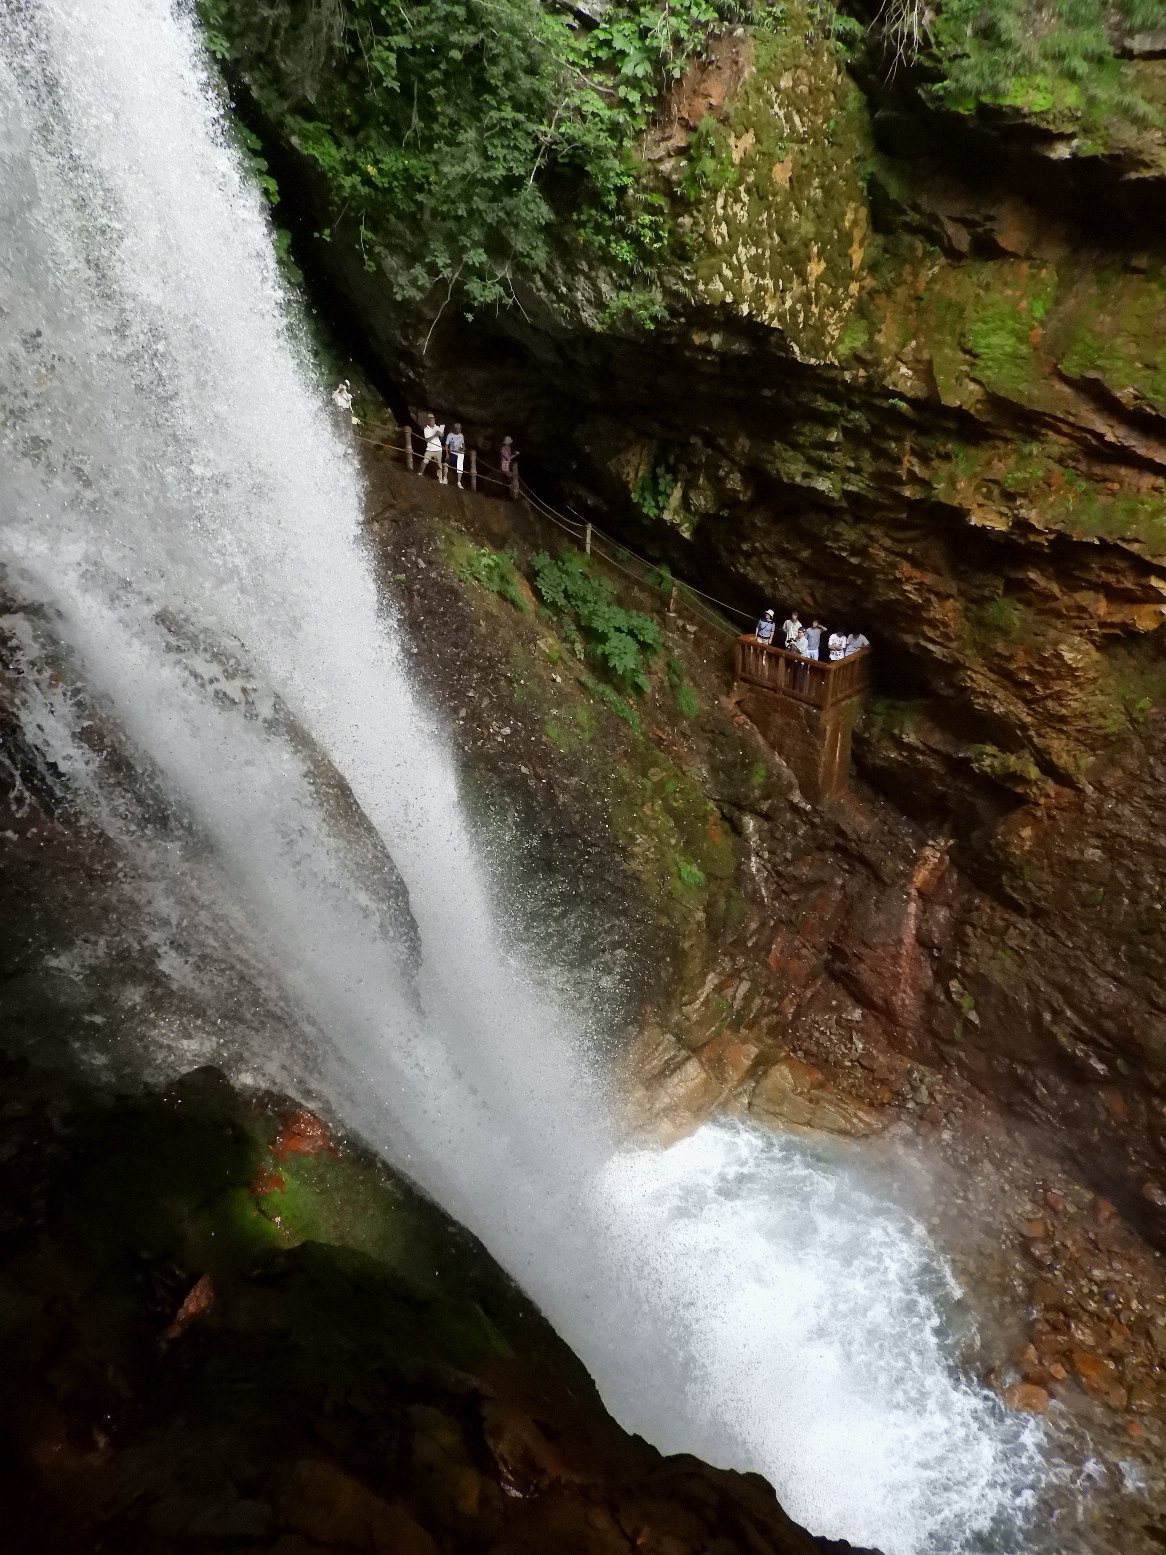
[253, 151]
[1013, 769]
[686, 701]
[685, 697]
[450, 132]
[494, 570]
[653, 491]
[709, 163]
[1054, 57]
[624, 641]
[848, 34]
[855, 334]
[612, 701]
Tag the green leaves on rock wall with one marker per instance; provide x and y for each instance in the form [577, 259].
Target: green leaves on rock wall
[624, 641]
[1054, 60]
[455, 134]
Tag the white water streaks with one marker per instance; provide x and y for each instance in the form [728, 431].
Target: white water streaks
[175, 491]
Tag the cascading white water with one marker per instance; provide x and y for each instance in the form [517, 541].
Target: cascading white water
[167, 458]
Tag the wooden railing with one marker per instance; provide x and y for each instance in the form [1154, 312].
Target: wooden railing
[821, 684]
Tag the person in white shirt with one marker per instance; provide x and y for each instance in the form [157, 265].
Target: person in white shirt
[836, 647]
[791, 628]
[814, 639]
[433, 435]
[855, 643]
[455, 451]
[342, 399]
[801, 643]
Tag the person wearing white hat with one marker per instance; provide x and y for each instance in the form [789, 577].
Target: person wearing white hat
[765, 630]
[342, 399]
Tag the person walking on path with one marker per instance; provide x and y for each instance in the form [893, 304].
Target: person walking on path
[791, 627]
[814, 639]
[836, 647]
[455, 452]
[856, 642]
[765, 630]
[508, 455]
[433, 434]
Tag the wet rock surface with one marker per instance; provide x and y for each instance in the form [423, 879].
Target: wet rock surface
[225, 1328]
[802, 1007]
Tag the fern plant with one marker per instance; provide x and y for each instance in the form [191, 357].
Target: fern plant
[624, 641]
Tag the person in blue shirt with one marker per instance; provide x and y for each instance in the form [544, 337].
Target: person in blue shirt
[765, 629]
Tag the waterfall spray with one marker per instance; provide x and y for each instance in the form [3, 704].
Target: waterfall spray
[168, 459]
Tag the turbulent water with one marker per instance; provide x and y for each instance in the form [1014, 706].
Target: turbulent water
[177, 495]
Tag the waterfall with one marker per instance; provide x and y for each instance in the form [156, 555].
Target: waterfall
[176, 492]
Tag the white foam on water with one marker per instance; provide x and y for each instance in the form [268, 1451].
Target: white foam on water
[173, 477]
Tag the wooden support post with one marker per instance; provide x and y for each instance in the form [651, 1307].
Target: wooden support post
[514, 480]
[473, 469]
[672, 601]
[587, 539]
[408, 448]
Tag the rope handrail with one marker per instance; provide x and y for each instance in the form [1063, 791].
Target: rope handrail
[579, 529]
[576, 528]
[581, 526]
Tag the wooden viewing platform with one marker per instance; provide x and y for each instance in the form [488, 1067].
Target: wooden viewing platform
[805, 708]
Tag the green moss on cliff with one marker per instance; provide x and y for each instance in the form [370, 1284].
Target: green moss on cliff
[783, 238]
[1034, 484]
[1052, 61]
[1117, 335]
[1003, 330]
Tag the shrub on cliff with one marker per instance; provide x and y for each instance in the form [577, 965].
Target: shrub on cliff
[1045, 57]
[624, 641]
[451, 132]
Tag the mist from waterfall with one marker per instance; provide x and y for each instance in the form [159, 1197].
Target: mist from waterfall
[177, 494]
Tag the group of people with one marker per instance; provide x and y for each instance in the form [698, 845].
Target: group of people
[447, 451]
[444, 450]
[807, 640]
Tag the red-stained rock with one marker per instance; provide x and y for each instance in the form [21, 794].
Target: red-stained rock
[302, 1134]
[1095, 1375]
[1026, 1397]
[199, 1300]
[267, 1180]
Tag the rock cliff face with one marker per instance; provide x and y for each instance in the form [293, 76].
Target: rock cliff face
[225, 1329]
[911, 377]
[224, 1326]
